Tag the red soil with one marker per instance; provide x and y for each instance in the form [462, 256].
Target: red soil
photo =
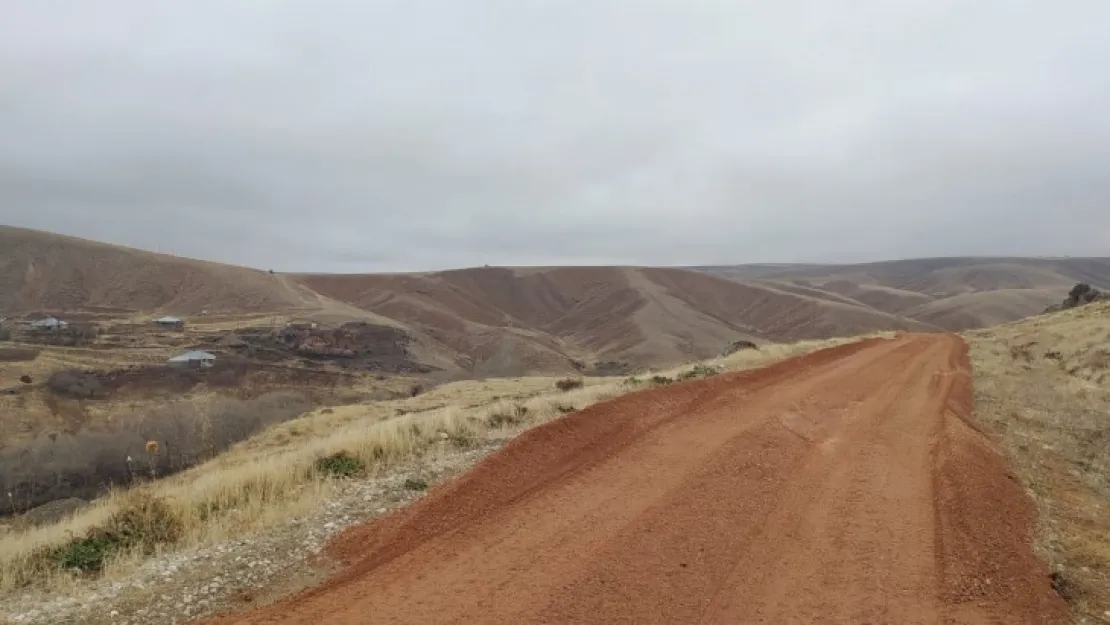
[846, 486]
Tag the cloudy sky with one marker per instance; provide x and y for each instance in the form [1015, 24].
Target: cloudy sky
[416, 134]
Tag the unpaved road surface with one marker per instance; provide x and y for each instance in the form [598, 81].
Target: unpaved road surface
[845, 486]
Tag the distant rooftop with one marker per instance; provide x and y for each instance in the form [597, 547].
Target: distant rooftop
[193, 355]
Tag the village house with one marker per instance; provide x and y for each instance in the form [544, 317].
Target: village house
[194, 358]
[174, 323]
[50, 323]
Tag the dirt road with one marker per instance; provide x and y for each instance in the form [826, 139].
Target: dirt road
[846, 486]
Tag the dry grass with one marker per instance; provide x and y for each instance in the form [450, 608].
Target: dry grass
[1041, 386]
[275, 476]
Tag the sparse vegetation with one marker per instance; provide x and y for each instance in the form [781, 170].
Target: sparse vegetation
[661, 380]
[275, 476]
[340, 464]
[699, 371]
[508, 415]
[416, 484]
[84, 463]
[568, 384]
[1041, 388]
[143, 523]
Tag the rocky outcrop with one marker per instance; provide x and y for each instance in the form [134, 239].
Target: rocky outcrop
[1080, 295]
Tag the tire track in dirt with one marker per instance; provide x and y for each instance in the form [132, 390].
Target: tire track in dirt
[844, 486]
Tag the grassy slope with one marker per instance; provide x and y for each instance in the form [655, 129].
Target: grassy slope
[1042, 388]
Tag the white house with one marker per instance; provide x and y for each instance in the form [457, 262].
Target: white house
[50, 323]
[194, 358]
[169, 322]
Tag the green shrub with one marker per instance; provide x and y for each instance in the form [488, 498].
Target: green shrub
[699, 371]
[661, 380]
[339, 465]
[569, 384]
[143, 521]
[633, 381]
[417, 484]
[84, 554]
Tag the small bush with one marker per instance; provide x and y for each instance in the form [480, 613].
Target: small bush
[633, 381]
[568, 384]
[416, 484]
[84, 554]
[339, 465]
[565, 409]
[500, 419]
[661, 380]
[463, 440]
[699, 371]
[144, 522]
[415, 390]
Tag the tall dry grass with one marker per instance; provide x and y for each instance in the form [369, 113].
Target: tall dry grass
[1041, 386]
[83, 463]
[276, 475]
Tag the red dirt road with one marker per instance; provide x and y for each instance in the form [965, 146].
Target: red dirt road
[845, 486]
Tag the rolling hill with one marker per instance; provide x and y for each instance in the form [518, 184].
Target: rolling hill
[504, 320]
[951, 293]
[498, 321]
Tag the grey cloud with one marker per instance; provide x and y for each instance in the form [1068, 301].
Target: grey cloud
[355, 136]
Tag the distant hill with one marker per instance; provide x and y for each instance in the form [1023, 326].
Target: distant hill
[43, 271]
[951, 293]
[509, 321]
[513, 319]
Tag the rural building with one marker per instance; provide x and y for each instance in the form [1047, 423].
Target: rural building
[169, 322]
[50, 323]
[193, 359]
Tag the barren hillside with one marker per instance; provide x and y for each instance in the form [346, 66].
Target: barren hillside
[496, 321]
[43, 271]
[952, 293]
[633, 315]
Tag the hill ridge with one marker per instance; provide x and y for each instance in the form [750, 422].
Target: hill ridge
[512, 320]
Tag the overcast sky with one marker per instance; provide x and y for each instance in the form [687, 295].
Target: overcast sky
[418, 134]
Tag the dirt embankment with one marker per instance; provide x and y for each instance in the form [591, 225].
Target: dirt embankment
[846, 486]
